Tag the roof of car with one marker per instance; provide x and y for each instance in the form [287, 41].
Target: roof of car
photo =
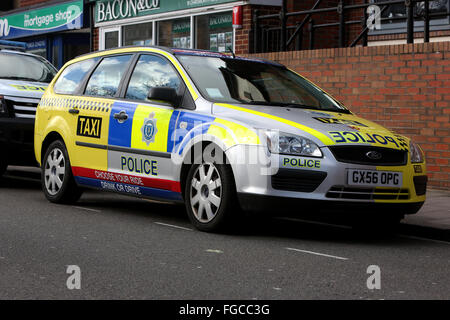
[181, 51]
[19, 52]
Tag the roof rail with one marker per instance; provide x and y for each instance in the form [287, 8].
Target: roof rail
[13, 45]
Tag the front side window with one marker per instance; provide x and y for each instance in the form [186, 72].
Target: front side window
[105, 80]
[228, 80]
[25, 68]
[151, 71]
[71, 77]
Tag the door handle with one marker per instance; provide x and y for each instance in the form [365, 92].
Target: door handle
[74, 111]
[121, 117]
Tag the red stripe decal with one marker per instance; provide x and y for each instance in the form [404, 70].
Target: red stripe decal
[127, 179]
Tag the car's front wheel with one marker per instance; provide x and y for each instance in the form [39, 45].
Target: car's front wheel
[3, 167]
[57, 180]
[210, 196]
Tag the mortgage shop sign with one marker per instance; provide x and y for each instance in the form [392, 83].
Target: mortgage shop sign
[65, 16]
[111, 10]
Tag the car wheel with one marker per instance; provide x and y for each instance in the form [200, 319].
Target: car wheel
[57, 180]
[210, 196]
[3, 167]
[378, 226]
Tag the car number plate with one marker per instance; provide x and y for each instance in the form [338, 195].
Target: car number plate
[373, 178]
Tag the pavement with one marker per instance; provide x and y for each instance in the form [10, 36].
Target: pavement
[128, 248]
[435, 213]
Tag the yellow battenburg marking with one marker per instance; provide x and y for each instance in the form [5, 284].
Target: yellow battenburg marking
[319, 135]
[28, 88]
[162, 120]
[231, 133]
[408, 182]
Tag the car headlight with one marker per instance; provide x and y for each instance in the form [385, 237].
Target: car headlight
[290, 144]
[415, 152]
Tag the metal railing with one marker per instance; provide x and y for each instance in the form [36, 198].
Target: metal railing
[284, 37]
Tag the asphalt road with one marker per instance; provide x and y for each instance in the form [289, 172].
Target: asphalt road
[128, 248]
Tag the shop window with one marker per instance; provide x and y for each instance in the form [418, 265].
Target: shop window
[151, 71]
[214, 32]
[111, 39]
[138, 34]
[105, 80]
[175, 33]
[72, 76]
[396, 11]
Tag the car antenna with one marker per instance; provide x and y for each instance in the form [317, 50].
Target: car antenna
[232, 52]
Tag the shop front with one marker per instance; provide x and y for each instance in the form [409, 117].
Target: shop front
[196, 24]
[56, 32]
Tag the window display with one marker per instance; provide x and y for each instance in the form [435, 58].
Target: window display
[214, 32]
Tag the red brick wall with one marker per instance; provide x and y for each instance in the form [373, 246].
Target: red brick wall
[96, 36]
[403, 87]
[26, 3]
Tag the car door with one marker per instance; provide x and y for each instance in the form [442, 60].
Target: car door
[139, 152]
[92, 111]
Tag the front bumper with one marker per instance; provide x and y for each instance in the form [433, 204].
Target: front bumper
[17, 141]
[319, 183]
[300, 207]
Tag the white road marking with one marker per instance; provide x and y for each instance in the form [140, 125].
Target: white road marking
[214, 251]
[173, 226]
[87, 209]
[317, 254]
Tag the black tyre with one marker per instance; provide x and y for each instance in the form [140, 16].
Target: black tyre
[3, 167]
[377, 226]
[210, 197]
[57, 180]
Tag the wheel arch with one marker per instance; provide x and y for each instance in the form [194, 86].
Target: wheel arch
[188, 160]
[48, 140]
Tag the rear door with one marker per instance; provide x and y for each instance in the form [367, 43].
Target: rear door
[140, 146]
[92, 111]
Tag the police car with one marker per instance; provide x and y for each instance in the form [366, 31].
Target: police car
[219, 133]
[23, 79]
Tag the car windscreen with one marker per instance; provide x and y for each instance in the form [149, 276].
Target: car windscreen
[25, 68]
[236, 80]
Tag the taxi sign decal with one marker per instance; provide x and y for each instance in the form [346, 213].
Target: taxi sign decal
[89, 127]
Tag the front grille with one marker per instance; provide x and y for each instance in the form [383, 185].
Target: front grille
[358, 155]
[420, 184]
[23, 107]
[297, 180]
[341, 192]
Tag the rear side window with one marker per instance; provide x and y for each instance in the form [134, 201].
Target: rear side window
[72, 76]
[151, 71]
[105, 80]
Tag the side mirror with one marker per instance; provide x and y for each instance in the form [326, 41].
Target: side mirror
[164, 94]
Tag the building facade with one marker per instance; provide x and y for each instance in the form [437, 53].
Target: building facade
[196, 24]
[57, 30]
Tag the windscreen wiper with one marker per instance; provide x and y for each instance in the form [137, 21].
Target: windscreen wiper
[20, 79]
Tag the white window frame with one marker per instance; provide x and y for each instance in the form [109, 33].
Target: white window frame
[101, 40]
[192, 16]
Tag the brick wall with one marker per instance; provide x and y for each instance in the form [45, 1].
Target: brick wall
[26, 3]
[403, 87]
